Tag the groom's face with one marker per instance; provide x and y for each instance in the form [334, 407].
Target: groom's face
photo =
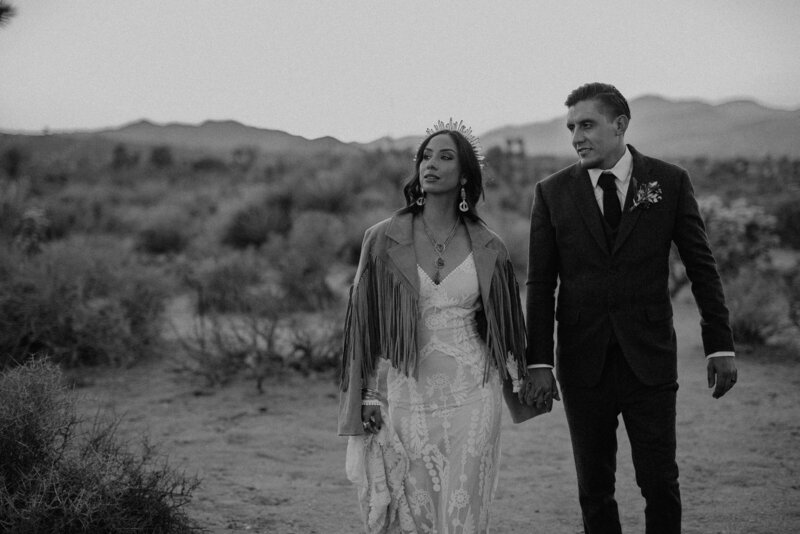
[597, 139]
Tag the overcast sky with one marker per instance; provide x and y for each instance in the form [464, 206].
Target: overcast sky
[359, 70]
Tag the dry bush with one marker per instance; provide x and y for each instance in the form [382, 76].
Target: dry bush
[239, 309]
[326, 191]
[166, 234]
[61, 473]
[255, 224]
[740, 233]
[787, 216]
[247, 315]
[86, 208]
[760, 307]
[222, 346]
[13, 194]
[316, 342]
[80, 302]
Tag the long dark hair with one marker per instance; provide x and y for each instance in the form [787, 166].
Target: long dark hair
[470, 170]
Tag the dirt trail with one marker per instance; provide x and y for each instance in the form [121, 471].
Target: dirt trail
[272, 463]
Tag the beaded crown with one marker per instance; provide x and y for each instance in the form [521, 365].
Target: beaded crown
[464, 130]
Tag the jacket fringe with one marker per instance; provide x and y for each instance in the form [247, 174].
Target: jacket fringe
[505, 324]
[381, 320]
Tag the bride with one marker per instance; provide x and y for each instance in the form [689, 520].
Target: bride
[434, 338]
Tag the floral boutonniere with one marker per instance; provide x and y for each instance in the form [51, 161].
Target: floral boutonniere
[647, 194]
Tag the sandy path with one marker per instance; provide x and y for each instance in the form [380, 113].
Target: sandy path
[272, 463]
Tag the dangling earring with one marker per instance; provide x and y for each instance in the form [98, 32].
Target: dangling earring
[463, 206]
[420, 199]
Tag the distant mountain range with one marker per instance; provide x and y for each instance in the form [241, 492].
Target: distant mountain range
[686, 128]
[659, 127]
[221, 136]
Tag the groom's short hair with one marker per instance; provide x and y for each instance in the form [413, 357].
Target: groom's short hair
[609, 97]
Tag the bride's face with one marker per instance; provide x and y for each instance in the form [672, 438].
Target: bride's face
[439, 170]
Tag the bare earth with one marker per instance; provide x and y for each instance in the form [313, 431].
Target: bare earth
[272, 463]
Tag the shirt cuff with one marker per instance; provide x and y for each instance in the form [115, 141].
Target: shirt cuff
[539, 366]
[720, 353]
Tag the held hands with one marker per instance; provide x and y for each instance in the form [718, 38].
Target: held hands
[371, 418]
[539, 388]
[722, 372]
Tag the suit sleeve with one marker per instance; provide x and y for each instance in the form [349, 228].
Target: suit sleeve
[541, 282]
[701, 269]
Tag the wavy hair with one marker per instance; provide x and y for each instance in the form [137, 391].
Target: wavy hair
[470, 170]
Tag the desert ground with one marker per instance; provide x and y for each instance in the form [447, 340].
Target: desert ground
[272, 462]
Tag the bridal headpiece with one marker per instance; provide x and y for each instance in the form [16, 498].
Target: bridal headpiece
[464, 130]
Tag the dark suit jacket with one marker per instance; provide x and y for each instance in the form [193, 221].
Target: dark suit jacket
[624, 288]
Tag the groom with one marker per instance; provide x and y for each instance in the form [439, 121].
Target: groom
[601, 232]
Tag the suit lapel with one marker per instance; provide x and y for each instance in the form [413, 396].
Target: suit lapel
[401, 252]
[630, 217]
[484, 256]
[581, 188]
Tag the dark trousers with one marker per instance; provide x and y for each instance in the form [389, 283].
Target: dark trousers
[649, 415]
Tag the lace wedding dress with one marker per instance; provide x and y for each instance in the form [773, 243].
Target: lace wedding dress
[433, 467]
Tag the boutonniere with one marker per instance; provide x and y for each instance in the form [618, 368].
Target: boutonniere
[647, 194]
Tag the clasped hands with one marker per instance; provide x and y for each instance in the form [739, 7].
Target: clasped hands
[371, 418]
[539, 389]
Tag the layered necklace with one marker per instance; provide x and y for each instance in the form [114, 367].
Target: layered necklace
[439, 248]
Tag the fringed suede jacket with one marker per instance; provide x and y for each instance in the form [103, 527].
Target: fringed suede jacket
[382, 314]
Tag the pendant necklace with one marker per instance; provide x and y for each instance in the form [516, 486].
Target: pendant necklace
[439, 248]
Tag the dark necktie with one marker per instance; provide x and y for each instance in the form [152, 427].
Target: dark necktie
[611, 208]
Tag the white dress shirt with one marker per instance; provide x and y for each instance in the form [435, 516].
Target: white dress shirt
[622, 170]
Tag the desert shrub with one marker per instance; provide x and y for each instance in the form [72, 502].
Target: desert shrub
[253, 225]
[209, 164]
[326, 191]
[220, 345]
[317, 236]
[316, 341]
[62, 473]
[267, 342]
[80, 302]
[787, 215]
[161, 157]
[31, 231]
[354, 226]
[300, 263]
[121, 158]
[13, 195]
[13, 160]
[739, 233]
[243, 158]
[247, 304]
[239, 307]
[81, 208]
[759, 307]
[167, 234]
[228, 284]
[792, 280]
